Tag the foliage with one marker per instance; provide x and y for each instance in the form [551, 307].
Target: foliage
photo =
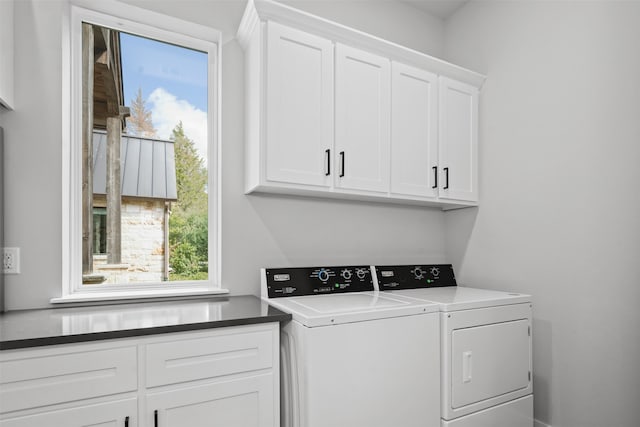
[188, 242]
[203, 275]
[188, 223]
[191, 174]
[140, 123]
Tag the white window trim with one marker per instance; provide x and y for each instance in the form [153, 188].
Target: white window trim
[120, 16]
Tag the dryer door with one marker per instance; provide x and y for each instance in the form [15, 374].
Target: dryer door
[489, 357]
[488, 361]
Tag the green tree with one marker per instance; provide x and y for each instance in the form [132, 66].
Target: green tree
[140, 123]
[188, 224]
[191, 174]
[189, 246]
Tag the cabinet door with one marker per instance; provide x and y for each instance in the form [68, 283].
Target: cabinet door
[363, 102]
[458, 148]
[121, 413]
[241, 402]
[299, 105]
[414, 147]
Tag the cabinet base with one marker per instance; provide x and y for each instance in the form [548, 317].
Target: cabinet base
[267, 190]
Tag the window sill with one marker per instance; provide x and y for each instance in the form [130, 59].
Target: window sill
[137, 294]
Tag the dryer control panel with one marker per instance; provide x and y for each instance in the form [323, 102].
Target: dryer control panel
[397, 277]
[293, 282]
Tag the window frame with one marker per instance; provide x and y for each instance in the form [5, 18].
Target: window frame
[153, 25]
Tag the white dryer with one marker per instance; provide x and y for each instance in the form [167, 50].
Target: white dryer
[352, 356]
[486, 353]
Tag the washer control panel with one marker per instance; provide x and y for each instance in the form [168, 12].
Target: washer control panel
[396, 277]
[292, 282]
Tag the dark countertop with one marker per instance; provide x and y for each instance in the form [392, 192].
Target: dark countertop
[34, 328]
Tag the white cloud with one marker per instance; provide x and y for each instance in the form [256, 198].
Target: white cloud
[168, 110]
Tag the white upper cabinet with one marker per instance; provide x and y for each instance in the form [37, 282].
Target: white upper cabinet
[334, 112]
[458, 141]
[414, 132]
[362, 120]
[299, 100]
[434, 143]
[6, 53]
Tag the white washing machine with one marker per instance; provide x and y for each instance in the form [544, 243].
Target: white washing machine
[353, 357]
[486, 354]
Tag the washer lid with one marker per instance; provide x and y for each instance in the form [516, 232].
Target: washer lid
[456, 298]
[324, 310]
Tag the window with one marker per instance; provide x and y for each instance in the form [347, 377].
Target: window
[141, 209]
[99, 231]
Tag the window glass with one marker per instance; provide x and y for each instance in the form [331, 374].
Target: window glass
[145, 176]
[99, 231]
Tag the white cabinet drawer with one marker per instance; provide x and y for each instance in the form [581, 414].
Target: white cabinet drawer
[181, 360]
[34, 378]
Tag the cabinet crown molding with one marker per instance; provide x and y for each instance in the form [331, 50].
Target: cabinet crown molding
[268, 10]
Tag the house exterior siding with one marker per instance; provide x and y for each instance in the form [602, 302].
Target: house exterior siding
[142, 244]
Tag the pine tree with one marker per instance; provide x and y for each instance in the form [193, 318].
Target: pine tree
[140, 123]
[188, 223]
[191, 174]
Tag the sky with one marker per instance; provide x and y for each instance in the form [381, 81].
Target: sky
[173, 80]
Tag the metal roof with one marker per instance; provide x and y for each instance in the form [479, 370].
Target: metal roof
[148, 167]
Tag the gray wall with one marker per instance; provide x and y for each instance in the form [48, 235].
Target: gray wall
[257, 231]
[560, 204]
[33, 156]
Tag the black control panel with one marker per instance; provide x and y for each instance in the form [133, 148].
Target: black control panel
[397, 277]
[292, 282]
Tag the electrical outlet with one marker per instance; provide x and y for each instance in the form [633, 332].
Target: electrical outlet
[11, 260]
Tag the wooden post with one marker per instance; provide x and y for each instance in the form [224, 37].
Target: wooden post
[114, 191]
[87, 149]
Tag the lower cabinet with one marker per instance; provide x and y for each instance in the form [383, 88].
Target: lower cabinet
[242, 402]
[220, 377]
[110, 414]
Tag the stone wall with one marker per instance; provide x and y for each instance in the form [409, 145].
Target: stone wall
[142, 244]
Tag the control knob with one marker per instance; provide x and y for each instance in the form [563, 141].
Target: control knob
[361, 273]
[346, 274]
[435, 271]
[323, 275]
[418, 273]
